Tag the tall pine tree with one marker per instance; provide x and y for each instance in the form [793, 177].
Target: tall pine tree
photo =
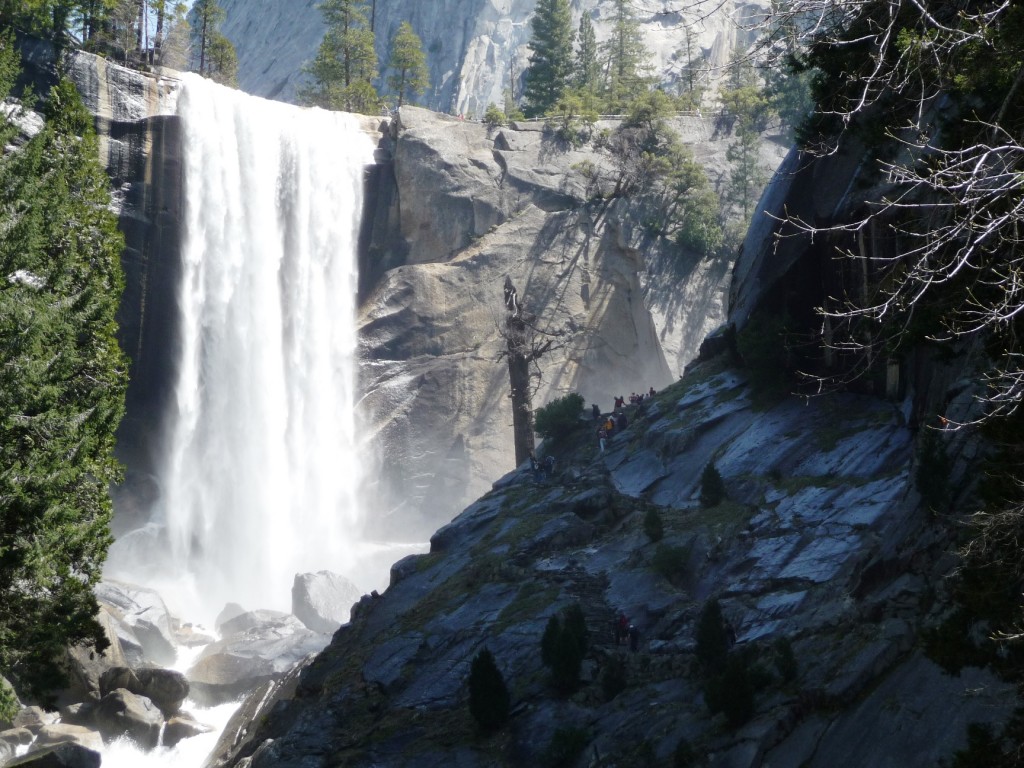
[626, 59]
[588, 68]
[62, 384]
[408, 64]
[550, 70]
[346, 62]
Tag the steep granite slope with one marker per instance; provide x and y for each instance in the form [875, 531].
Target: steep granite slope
[820, 545]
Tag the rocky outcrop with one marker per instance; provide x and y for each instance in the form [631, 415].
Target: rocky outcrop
[468, 207]
[476, 49]
[820, 545]
[322, 600]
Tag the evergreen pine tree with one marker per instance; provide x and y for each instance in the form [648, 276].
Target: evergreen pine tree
[346, 62]
[208, 44]
[489, 699]
[408, 64]
[550, 69]
[588, 67]
[62, 384]
[626, 59]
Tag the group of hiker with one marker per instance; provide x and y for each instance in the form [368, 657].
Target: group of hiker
[616, 421]
[542, 468]
[626, 632]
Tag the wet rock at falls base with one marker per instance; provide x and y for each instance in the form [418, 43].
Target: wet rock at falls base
[227, 613]
[86, 666]
[60, 756]
[61, 733]
[122, 713]
[146, 614]
[183, 726]
[265, 646]
[166, 688]
[322, 600]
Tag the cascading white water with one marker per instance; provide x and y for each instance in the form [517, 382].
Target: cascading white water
[261, 461]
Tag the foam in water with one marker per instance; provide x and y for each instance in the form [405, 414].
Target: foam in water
[262, 462]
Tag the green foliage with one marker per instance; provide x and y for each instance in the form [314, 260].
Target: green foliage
[653, 526]
[785, 660]
[625, 59]
[762, 345]
[712, 487]
[731, 692]
[563, 646]
[931, 477]
[10, 63]
[684, 756]
[212, 53]
[669, 562]
[408, 64]
[489, 699]
[613, 677]
[8, 702]
[345, 63]
[573, 118]
[62, 386]
[712, 641]
[559, 417]
[550, 70]
[981, 748]
[494, 117]
[587, 77]
[565, 747]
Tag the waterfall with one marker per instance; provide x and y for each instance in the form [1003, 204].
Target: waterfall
[260, 463]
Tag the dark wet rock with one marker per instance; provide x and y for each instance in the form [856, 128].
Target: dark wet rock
[122, 713]
[183, 726]
[60, 756]
[166, 688]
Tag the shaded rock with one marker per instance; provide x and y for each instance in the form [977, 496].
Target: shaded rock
[243, 622]
[60, 756]
[61, 733]
[166, 688]
[183, 726]
[85, 665]
[33, 718]
[79, 713]
[122, 713]
[322, 600]
[144, 611]
[18, 737]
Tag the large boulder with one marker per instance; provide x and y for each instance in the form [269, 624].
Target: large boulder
[123, 713]
[60, 756]
[254, 655]
[183, 726]
[60, 733]
[322, 600]
[145, 612]
[167, 688]
[85, 665]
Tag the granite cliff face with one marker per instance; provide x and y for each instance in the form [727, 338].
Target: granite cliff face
[457, 208]
[476, 49]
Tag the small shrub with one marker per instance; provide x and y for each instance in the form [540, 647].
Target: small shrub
[732, 691]
[494, 117]
[932, 474]
[712, 487]
[613, 677]
[785, 660]
[684, 755]
[712, 641]
[559, 417]
[489, 699]
[981, 749]
[763, 346]
[565, 747]
[653, 526]
[669, 562]
[563, 646]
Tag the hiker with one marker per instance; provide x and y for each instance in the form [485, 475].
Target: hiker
[620, 402]
[632, 398]
[634, 638]
[652, 393]
[602, 436]
[596, 410]
[609, 426]
[621, 422]
[621, 629]
[538, 473]
[549, 466]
